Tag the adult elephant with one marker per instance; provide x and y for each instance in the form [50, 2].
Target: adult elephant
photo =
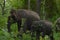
[17, 15]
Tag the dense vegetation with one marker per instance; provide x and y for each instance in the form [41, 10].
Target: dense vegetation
[49, 9]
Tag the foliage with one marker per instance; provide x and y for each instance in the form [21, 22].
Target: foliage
[52, 11]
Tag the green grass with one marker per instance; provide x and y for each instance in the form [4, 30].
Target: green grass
[6, 36]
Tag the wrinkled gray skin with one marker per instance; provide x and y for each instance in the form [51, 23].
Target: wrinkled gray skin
[44, 27]
[27, 14]
[58, 25]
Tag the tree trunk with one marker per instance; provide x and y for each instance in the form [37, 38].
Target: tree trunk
[3, 7]
[38, 7]
[38, 2]
[28, 4]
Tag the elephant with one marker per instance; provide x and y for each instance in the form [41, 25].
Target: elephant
[42, 28]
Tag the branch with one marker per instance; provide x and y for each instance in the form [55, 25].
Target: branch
[1, 5]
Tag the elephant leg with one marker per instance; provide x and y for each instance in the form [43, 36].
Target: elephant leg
[19, 22]
[8, 26]
[19, 25]
[38, 35]
[32, 33]
[9, 23]
[27, 25]
[51, 37]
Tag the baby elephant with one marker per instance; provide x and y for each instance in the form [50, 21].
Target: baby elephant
[42, 28]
